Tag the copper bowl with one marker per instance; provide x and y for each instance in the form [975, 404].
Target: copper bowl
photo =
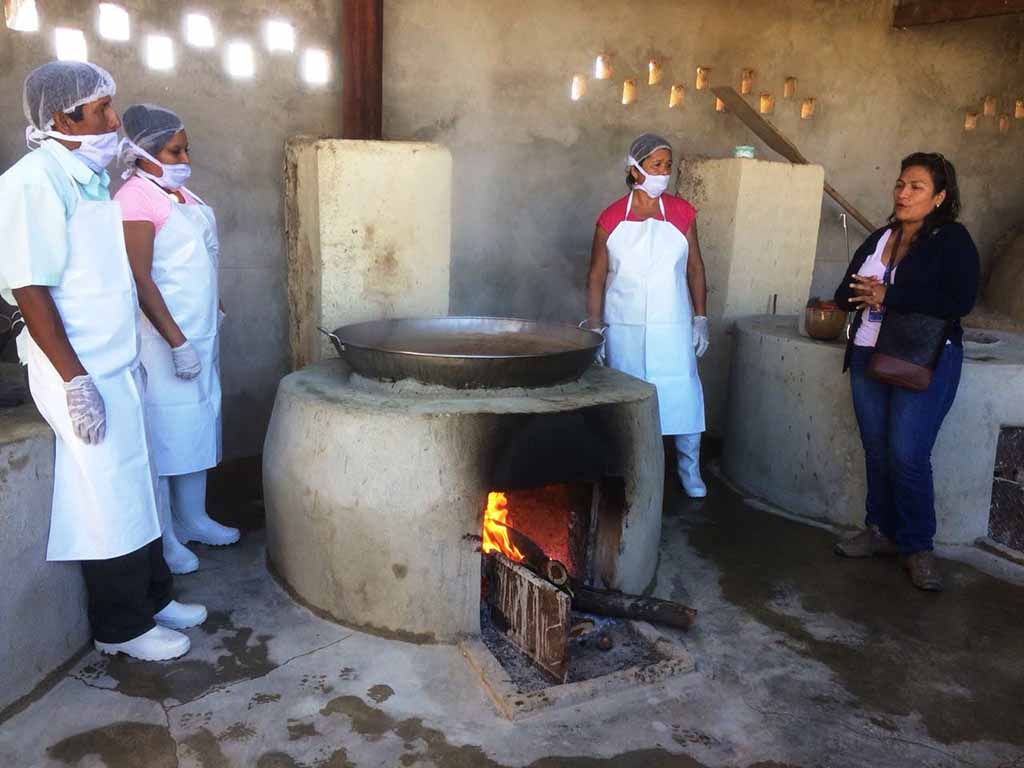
[824, 324]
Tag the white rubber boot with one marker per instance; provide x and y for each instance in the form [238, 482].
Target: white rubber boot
[188, 505]
[688, 465]
[177, 615]
[179, 558]
[158, 644]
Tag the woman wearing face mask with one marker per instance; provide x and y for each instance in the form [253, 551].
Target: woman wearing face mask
[924, 262]
[171, 237]
[647, 285]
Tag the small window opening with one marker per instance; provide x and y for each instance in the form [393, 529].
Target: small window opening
[676, 96]
[789, 88]
[240, 60]
[719, 105]
[703, 78]
[21, 15]
[1018, 109]
[159, 52]
[653, 72]
[989, 107]
[629, 91]
[807, 109]
[70, 44]
[971, 121]
[1004, 122]
[199, 31]
[579, 87]
[746, 81]
[280, 36]
[603, 67]
[316, 66]
[115, 24]
[766, 104]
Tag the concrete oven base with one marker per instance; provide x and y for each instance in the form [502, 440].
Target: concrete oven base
[375, 493]
[792, 439]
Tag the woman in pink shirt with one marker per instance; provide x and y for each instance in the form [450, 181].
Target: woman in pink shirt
[171, 239]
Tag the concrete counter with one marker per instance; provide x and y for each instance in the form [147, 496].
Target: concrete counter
[791, 437]
[43, 620]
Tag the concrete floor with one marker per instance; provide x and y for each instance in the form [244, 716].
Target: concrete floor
[803, 660]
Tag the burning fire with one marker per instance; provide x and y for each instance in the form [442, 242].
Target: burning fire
[495, 532]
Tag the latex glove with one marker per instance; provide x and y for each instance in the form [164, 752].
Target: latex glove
[86, 409]
[186, 361]
[700, 335]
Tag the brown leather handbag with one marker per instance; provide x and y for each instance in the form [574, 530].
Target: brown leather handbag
[908, 348]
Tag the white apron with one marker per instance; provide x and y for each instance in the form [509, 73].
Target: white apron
[184, 416]
[649, 315]
[104, 496]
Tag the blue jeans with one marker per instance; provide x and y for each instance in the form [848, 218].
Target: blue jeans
[898, 429]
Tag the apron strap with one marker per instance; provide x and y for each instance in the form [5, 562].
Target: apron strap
[629, 206]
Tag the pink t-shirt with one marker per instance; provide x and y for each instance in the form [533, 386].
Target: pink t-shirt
[677, 212]
[142, 200]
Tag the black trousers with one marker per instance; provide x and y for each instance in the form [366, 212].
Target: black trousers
[125, 592]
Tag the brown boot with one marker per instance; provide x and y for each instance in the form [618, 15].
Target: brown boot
[870, 542]
[924, 571]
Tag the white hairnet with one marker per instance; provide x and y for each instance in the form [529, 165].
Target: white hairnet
[645, 145]
[150, 127]
[63, 86]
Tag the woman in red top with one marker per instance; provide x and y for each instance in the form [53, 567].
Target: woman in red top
[647, 285]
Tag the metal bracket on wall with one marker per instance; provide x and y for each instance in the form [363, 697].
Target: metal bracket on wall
[770, 135]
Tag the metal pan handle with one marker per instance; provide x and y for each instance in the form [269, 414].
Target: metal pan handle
[334, 340]
[583, 323]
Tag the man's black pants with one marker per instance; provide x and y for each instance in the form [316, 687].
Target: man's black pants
[125, 592]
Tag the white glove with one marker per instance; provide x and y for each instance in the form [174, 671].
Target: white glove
[186, 361]
[85, 407]
[700, 335]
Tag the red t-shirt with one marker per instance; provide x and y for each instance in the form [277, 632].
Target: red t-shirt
[678, 212]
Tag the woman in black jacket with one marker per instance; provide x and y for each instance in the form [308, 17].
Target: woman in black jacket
[923, 261]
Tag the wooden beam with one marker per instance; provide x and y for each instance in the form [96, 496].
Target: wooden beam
[362, 68]
[915, 13]
[770, 135]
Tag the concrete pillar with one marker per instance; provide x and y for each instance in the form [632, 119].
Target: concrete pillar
[758, 224]
[369, 235]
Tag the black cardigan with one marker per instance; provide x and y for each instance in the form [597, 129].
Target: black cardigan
[938, 276]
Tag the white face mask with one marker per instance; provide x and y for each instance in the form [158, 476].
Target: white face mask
[654, 186]
[97, 150]
[174, 176]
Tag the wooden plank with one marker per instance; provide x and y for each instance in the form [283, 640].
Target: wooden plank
[915, 13]
[362, 68]
[534, 614]
[771, 136]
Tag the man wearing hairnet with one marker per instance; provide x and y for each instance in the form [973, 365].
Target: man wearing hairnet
[65, 265]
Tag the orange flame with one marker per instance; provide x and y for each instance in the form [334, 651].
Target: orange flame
[495, 531]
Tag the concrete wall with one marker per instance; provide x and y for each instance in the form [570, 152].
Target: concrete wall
[367, 239]
[42, 605]
[756, 260]
[791, 436]
[237, 131]
[533, 169]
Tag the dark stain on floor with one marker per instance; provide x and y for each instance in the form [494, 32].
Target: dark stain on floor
[380, 693]
[124, 744]
[373, 724]
[206, 747]
[297, 729]
[955, 658]
[245, 657]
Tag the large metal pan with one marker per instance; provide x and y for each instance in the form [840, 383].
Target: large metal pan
[467, 352]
